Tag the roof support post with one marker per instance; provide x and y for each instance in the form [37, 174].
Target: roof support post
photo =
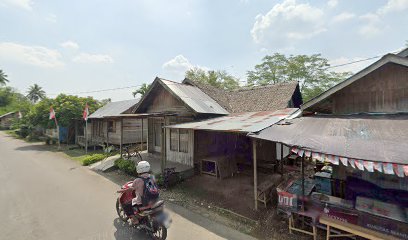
[141, 135]
[163, 146]
[302, 166]
[255, 173]
[121, 136]
[281, 160]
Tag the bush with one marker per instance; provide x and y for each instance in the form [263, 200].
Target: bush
[127, 166]
[92, 159]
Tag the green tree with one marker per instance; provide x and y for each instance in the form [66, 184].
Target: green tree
[35, 93]
[311, 71]
[142, 90]
[3, 78]
[66, 107]
[11, 100]
[220, 78]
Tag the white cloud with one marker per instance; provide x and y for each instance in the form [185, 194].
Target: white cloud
[177, 67]
[51, 18]
[32, 55]
[342, 17]
[25, 4]
[372, 26]
[178, 64]
[92, 58]
[332, 3]
[393, 6]
[288, 21]
[70, 45]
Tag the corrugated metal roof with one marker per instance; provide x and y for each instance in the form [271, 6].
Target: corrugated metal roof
[239, 122]
[114, 108]
[375, 137]
[195, 98]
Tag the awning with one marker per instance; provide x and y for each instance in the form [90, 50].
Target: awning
[239, 122]
[364, 141]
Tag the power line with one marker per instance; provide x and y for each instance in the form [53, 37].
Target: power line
[97, 91]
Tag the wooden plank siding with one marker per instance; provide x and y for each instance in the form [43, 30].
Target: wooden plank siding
[186, 158]
[385, 90]
[132, 132]
[163, 101]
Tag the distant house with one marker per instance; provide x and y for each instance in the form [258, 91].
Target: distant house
[105, 126]
[7, 119]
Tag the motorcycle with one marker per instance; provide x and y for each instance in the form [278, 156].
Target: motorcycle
[152, 218]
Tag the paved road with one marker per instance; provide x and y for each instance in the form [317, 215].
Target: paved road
[44, 195]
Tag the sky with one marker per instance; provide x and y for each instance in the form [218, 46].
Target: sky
[79, 46]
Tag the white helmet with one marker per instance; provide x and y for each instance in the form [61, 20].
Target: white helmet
[143, 167]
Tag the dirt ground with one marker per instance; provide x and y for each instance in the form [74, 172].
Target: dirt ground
[216, 204]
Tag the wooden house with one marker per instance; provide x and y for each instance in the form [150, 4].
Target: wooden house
[105, 127]
[360, 128]
[168, 103]
[7, 119]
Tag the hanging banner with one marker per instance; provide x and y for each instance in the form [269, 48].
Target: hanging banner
[351, 162]
[378, 166]
[369, 166]
[398, 169]
[405, 167]
[359, 164]
[388, 168]
[344, 161]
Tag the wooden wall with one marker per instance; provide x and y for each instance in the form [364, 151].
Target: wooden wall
[132, 132]
[181, 157]
[383, 90]
[163, 101]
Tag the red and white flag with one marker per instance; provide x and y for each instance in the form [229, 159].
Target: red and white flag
[52, 113]
[85, 114]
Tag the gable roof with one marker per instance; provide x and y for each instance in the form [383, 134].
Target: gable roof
[389, 58]
[191, 96]
[7, 114]
[403, 53]
[114, 108]
[261, 98]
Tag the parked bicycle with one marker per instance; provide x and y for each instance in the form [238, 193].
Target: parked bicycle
[129, 152]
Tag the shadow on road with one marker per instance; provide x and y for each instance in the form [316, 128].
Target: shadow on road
[36, 147]
[125, 232]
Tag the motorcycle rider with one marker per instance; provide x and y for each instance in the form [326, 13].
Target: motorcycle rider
[145, 189]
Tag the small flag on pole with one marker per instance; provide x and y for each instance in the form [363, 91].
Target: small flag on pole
[52, 113]
[85, 114]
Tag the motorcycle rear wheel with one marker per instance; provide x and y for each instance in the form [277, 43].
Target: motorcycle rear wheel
[121, 211]
[161, 233]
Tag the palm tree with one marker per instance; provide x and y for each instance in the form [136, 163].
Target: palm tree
[35, 93]
[142, 90]
[3, 78]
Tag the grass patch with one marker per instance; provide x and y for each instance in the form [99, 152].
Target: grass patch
[88, 160]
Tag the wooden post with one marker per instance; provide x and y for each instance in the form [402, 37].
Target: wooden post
[163, 146]
[255, 173]
[86, 136]
[107, 133]
[303, 181]
[281, 162]
[141, 135]
[121, 136]
[76, 132]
